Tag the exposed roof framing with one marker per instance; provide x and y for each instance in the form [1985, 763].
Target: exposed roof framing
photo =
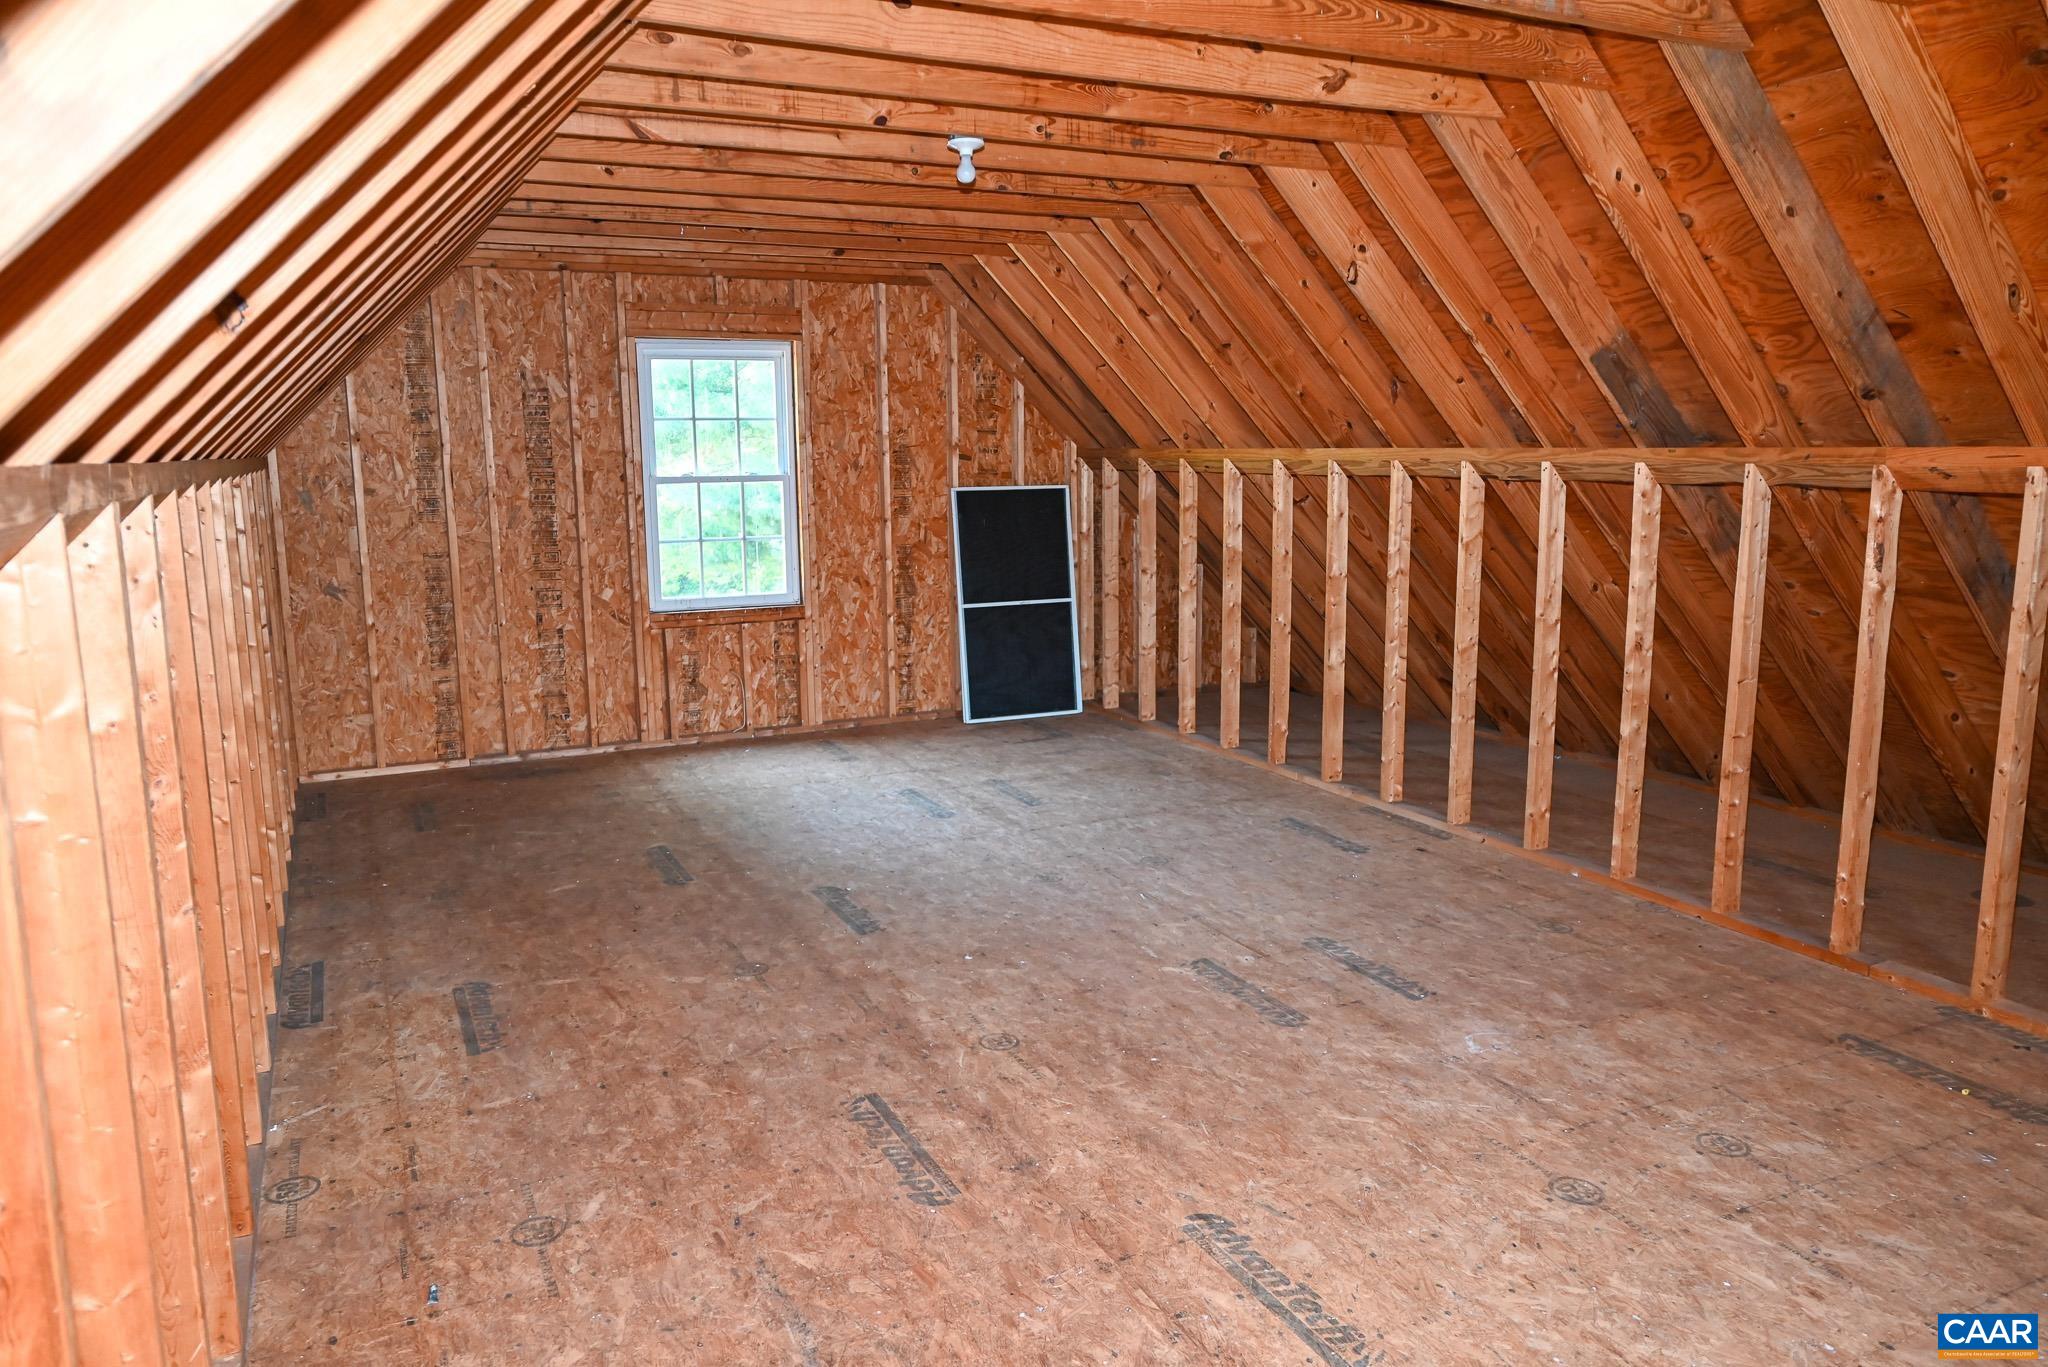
[1201, 226]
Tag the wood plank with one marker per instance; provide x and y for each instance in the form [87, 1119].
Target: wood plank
[1280, 623]
[1547, 614]
[1614, 167]
[1231, 667]
[1336, 569]
[1394, 657]
[1108, 534]
[1638, 647]
[591, 347]
[1465, 643]
[645, 90]
[1387, 30]
[1738, 727]
[1042, 48]
[229, 1050]
[880, 75]
[1905, 96]
[2018, 708]
[35, 1316]
[1084, 476]
[905, 148]
[1866, 717]
[99, 604]
[198, 1053]
[1692, 21]
[220, 708]
[68, 936]
[1148, 594]
[472, 533]
[1955, 469]
[1187, 674]
[1513, 203]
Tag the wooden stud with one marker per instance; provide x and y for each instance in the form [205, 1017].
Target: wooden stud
[1230, 671]
[2018, 708]
[1109, 535]
[1465, 643]
[1640, 639]
[1188, 635]
[1738, 728]
[230, 1050]
[1148, 593]
[1280, 634]
[1084, 477]
[1394, 651]
[1866, 716]
[199, 1055]
[35, 1314]
[1547, 613]
[1336, 614]
[74, 974]
[99, 603]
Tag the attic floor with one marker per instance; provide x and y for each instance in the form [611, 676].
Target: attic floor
[1103, 1081]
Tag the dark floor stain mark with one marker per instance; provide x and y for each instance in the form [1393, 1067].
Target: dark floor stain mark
[930, 806]
[1293, 1303]
[482, 1031]
[841, 904]
[1383, 974]
[1330, 838]
[1014, 793]
[424, 817]
[305, 996]
[1269, 1010]
[311, 807]
[2031, 1112]
[668, 866]
[837, 751]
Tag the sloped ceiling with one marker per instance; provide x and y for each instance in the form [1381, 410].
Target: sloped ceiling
[1199, 224]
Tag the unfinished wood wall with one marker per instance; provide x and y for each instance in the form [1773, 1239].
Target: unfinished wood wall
[461, 520]
[144, 838]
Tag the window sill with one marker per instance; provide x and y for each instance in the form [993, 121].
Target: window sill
[711, 617]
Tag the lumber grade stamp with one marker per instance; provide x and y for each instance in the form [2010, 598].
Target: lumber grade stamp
[1293, 1303]
[841, 904]
[1380, 973]
[2032, 1112]
[1328, 837]
[305, 996]
[482, 1030]
[664, 862]
[923, 1180]
[1269, 1010]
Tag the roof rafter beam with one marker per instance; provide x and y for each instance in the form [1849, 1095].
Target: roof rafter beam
[1042, 48]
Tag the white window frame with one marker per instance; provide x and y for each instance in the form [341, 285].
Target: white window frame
[647, 350]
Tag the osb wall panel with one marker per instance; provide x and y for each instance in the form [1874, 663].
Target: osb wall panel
[462, 518]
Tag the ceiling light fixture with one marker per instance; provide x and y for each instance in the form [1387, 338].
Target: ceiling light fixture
[966, 146]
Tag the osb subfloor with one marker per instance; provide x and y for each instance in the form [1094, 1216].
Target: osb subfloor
[1921, 906]
[1547, 1123]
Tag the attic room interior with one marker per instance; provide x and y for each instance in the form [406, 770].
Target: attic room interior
[1145, 681]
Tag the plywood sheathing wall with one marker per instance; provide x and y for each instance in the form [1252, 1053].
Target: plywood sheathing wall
[462, 522]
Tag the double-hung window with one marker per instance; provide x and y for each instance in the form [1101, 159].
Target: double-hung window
[717, 452]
